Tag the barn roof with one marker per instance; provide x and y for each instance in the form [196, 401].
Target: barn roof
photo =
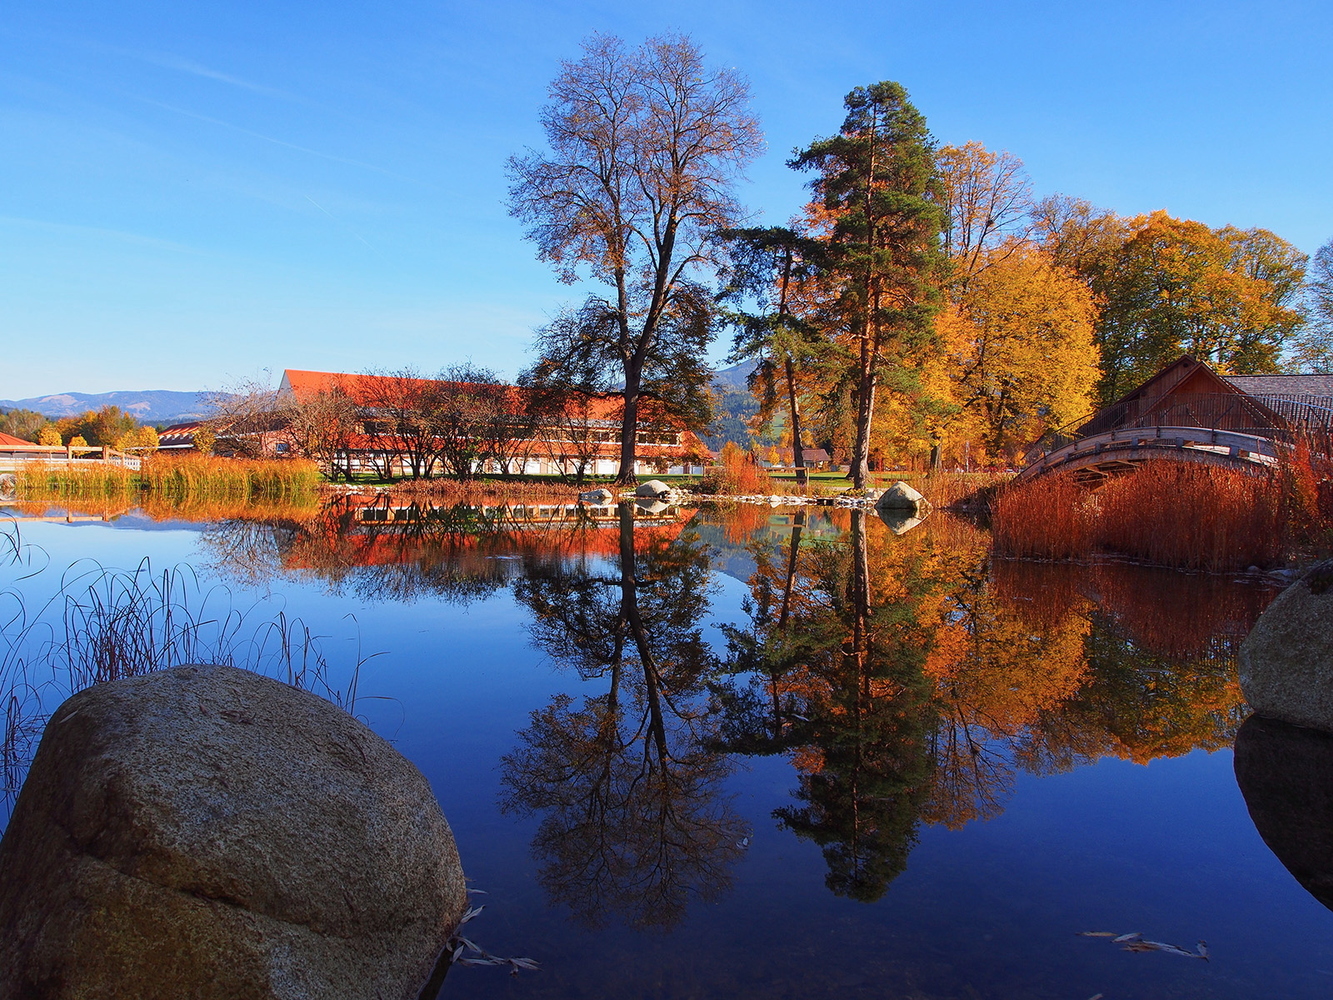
[1283, 385]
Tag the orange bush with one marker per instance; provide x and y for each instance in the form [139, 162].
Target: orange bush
[737, 474]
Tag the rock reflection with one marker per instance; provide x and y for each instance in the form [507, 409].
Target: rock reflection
[1285, 773]
[634, 821]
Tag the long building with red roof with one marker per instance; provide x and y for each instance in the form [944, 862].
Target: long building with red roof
[583, 432]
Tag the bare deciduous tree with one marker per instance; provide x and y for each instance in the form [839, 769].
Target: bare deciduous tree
[645, 145]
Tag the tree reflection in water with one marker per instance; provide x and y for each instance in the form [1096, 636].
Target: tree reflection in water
[634, 820]
[382, 551]
[908, 679]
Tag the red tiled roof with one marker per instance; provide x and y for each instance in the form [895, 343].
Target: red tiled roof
[10, 441]
[366, 390]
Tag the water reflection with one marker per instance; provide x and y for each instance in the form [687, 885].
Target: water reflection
[634, 820]
[380, 550]
[908, 679]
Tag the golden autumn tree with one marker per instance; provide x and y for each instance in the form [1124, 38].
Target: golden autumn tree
[988, 203]
[1172, 286]
[1020, 349]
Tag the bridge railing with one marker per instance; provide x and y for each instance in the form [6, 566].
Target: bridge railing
[1285, 419]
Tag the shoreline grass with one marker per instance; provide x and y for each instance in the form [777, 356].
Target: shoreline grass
[200, 477]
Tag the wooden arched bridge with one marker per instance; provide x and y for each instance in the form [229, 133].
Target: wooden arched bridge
[1189, 413]
[1093, 458]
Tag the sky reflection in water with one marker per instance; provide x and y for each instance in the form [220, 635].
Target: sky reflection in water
[758, 753]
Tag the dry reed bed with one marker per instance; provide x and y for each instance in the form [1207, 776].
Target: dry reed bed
[1176, 514]
[203, 477]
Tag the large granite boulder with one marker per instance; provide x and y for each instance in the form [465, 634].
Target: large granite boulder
[653, 489]
[901, 496]
[1285, 773]
[1286, 662]
[206, 832]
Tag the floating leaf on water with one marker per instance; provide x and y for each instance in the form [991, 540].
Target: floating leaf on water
[458, 953]
[1133, 936]
[1097, 996]
[1171, 948]
[1141, 946]
[1109, 934]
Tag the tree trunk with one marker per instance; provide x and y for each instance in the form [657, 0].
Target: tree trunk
[865, 410]
[798, 452]
[629, 427]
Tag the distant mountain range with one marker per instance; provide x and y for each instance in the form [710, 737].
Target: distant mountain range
[151, 406]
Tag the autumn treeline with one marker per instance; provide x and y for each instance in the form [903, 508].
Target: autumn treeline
[110, 426]
[1034, 313]
[924, 305]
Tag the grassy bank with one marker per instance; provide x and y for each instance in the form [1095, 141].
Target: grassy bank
[196, 477]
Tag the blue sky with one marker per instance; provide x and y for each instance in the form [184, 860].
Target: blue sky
[192, 193]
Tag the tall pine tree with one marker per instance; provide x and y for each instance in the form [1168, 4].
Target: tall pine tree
[878, 181]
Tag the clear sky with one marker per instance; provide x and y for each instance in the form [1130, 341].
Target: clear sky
[191, 193]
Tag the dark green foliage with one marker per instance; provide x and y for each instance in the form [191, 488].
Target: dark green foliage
[768, 266]
[733, 412]
[878, 182]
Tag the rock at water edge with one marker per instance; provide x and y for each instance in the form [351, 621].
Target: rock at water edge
[653, 488]
[206, 832]
[900, 496]
[1286, 662]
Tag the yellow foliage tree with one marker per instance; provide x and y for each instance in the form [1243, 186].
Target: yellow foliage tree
[1020, 350]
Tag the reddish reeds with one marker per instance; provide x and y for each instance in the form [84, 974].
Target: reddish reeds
[1049, 519]
[945, 489]
[1178, 514]
[1193, 517]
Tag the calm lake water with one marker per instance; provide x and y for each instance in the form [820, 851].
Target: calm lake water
[756, 753]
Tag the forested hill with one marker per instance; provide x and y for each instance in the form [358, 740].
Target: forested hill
[149, 406]
[735, 406]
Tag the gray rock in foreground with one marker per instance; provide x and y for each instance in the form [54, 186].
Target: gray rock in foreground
[1286, 662]
[205, 832]
[653, 488]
